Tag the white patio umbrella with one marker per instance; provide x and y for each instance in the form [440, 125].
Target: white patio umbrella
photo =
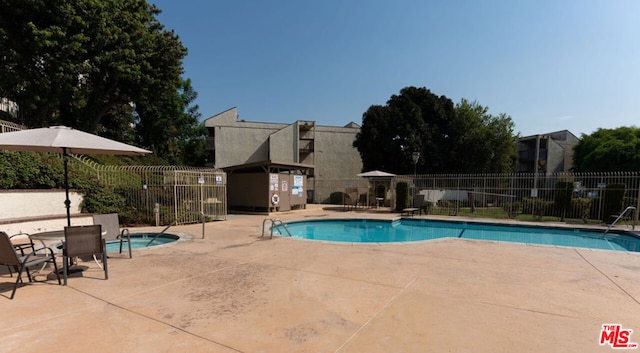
[65, 140]
[375, 175]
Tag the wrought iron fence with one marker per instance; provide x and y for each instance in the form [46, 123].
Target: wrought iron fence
[163, 194]
[580, 197]
[571, 197]
[7, 126]
[160, 194]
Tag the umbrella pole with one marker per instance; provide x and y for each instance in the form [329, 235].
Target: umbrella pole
[67, 202]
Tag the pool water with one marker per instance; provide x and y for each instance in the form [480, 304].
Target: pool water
[404, 230]
[141, 240]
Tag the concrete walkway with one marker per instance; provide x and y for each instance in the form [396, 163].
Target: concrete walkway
[236, 292]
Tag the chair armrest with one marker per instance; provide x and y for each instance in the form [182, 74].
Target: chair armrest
[23, 246]
[34, 253]
[124, 234]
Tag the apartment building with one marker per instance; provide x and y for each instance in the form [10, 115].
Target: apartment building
[303, 147]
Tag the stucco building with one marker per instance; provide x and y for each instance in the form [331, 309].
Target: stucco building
[546, 153]
[319, 152]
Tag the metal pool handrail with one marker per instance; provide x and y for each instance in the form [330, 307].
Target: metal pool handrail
[274, 223]
[630, 208]
[159, 234]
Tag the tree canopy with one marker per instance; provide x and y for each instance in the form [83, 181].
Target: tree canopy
[461, 138]
[608, 150]
[171, 128]
[90, 64]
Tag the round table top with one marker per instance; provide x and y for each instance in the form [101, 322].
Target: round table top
[50, 235]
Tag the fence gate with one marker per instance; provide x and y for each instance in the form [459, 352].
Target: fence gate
[198, 193]
[163, 194]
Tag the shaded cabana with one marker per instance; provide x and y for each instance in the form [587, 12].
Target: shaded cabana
[267, 186]
[374, 177]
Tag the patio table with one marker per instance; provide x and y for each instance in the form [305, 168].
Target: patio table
[52, 236]
[56, 237]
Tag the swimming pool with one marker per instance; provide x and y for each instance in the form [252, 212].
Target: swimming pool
[141, 240]
[406, 230]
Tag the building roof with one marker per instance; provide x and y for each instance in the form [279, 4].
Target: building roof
[554, 135]
[269, 167]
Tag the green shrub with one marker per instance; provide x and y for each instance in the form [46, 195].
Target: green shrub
[402, 196]
[101, 199]
[31, 170]
[537, 207]
[445, 204]
[613, 197]
[562, 197]
[581, 208]
[513, 209]
[451, 206]
[337, 198]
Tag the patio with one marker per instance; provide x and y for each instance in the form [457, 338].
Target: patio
[236, 292]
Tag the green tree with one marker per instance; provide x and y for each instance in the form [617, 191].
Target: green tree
[482, 143]
[608, 150]
[77, 62]
[451, 138]
[413, 121]
[171, 127]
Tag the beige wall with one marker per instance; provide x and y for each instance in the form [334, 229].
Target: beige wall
[17, 204]
[335, 156]
[237, 144]
[20, 210]
[283, 146]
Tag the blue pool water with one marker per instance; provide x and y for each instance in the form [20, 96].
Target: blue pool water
[404, 230]
[140, 240]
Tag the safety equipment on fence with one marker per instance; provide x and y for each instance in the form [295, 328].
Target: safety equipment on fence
[275, 199]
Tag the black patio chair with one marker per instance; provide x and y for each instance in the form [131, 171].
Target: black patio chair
[82, 241]
[111, 225]
[10, 257]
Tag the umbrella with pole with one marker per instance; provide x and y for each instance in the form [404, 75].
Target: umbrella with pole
[65, 140]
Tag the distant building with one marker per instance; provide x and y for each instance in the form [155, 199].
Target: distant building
[322, 152]
[546, 153]
[8, 109]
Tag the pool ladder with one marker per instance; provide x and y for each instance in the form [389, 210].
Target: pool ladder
[274, 223]
[630, 208]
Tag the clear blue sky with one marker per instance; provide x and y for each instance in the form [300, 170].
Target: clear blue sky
[549, 64]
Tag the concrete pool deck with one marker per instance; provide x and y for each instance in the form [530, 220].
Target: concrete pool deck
[236, 292]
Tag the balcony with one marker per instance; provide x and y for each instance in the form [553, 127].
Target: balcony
[530, 155]
[306, 146]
